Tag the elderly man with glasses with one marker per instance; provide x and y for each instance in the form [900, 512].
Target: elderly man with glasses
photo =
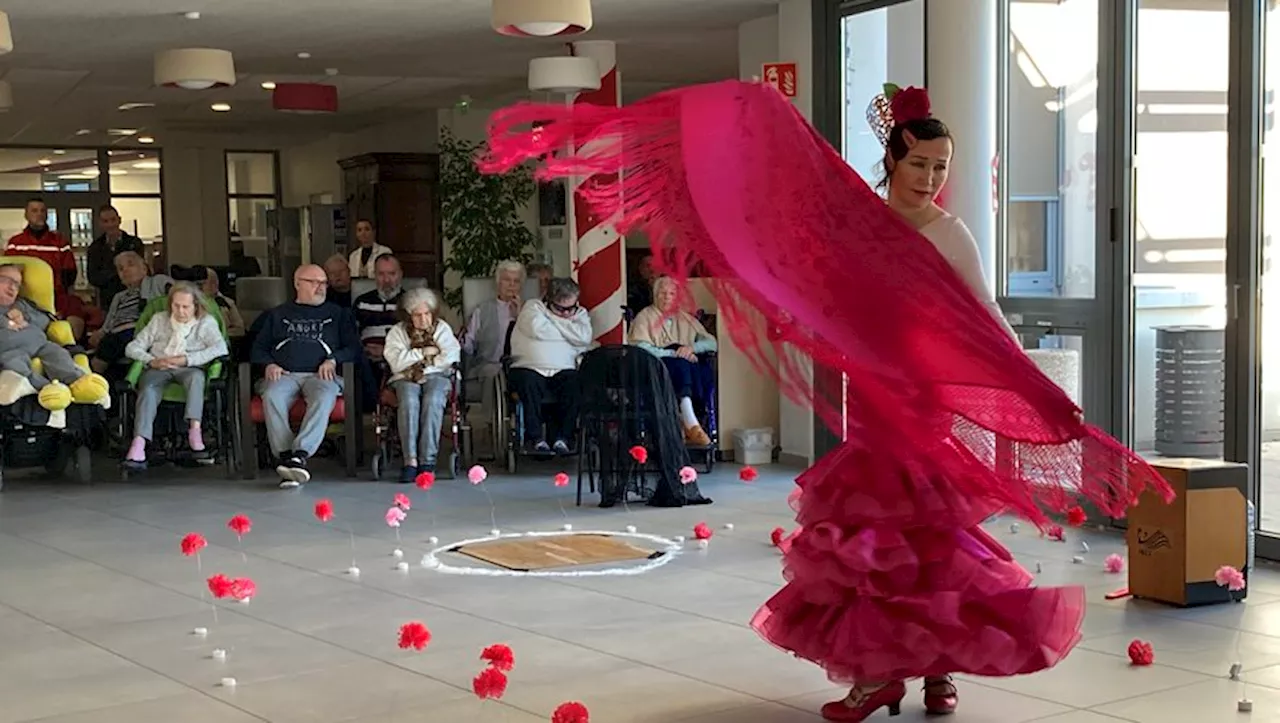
[301, 344]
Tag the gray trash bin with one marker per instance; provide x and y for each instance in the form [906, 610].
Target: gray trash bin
[1190, 376]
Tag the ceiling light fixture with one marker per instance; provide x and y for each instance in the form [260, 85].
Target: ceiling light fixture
[6, 34]
[59, 152]
[147, 166]
[122, 132]
[563, 74]
[268, 85]
[305, 98]
[541, 18]
[304, 55]
[192, 15]
[45, 162]
[146, 139]
[84, 131]
[135, 106]
[118, 172]
[220, 107]
[195, 68]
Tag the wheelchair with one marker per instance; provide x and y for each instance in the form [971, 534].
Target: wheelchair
[25, 440]
[386, 428]
[344, 420]
[169, 440]
[509, 413]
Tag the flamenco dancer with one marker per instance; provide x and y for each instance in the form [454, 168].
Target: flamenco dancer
[890, 577]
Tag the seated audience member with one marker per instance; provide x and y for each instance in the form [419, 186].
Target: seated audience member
[117, 328]
[376, 310]
[541, 272]
[101, 263]
[549, 337]
[335, 270]
[23, 337]
[360, 262]
[640, 285]
[175, 347]
[678, 338]
[420, 350]
[39, 241]
[484, 340]
[230, 312]
[302, 343]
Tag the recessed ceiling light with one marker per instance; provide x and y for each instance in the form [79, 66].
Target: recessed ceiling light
[84, 132]
[304, 55]
[44, 161]
[122, 131]
[59, 152]
[220, 107]
[192, 15]
[269, 85]
[330, 71]
[118, 172]
[135, 106]
[146, 139]
[147, 165]
[76, 177]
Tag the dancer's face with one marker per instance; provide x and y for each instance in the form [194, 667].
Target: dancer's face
[918, 178]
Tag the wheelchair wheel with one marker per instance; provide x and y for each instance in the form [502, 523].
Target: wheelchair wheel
[375, 465]
[455, 465]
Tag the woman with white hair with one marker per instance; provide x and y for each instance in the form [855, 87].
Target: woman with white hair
[488, 332]
[420, 350]
[175, 347]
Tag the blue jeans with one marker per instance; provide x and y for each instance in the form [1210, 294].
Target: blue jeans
[278, 396]
[421, 416]
[151, 389]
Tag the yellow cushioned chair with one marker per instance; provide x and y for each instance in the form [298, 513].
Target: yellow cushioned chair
[37, 287]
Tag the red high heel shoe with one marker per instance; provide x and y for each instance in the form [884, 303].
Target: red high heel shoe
[861, 703]
[940, 696]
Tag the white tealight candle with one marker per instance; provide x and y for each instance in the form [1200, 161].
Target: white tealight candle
[353, 571]
[227, 682]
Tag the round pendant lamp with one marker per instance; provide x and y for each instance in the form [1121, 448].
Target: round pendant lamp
[6, 34]
[541, 18]
[305, 98]
[195, 68]
[563, 74]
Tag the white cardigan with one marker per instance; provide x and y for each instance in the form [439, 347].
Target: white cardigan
[400, 356]
[365, 271]
[204, 344]
[546, 343]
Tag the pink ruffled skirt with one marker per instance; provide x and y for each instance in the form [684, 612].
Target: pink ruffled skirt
[890, 578]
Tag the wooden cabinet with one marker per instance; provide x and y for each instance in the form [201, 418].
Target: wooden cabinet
[400, 193]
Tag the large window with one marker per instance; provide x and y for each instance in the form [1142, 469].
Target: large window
[253, 190]
[1269, 286]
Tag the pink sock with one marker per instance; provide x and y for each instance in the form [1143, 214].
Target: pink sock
[196, 439]
[137, 450]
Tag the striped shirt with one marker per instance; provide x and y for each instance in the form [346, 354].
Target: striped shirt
[376, 314]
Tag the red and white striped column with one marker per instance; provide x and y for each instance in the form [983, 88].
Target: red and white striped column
[597, 250]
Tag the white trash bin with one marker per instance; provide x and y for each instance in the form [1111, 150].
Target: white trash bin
[753, 446]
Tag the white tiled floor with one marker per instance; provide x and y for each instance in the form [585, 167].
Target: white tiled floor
[97, 608]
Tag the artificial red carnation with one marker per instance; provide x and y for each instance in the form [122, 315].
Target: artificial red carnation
[1140, 653]
[571, 712]
[748, 474]
[490, 683]
[910, 104]
[777, 536]
[193, 543]
[220, 586]
[242, 588]
[402, 501]
[702, 531]
[561, 480]
[1076, 516]
[414, 635]
[639, 454]
[1056, 534]
[240, 524]
[324, 510]
[425, 480]
[500, 657]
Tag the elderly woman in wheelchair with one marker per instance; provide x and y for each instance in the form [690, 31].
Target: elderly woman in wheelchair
[175, 347]
[684, 345]
[421, 352]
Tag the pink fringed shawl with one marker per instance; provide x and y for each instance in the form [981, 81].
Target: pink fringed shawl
[808, 263]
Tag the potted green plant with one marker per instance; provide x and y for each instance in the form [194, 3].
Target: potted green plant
[480, 213]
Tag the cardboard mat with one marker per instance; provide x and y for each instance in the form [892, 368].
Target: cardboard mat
[544, 553]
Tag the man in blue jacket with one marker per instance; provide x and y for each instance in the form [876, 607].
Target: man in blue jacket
[302, 344]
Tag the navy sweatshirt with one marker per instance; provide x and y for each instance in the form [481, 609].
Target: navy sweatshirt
[300, 338]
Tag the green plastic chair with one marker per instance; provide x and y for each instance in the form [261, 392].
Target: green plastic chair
[216, 369]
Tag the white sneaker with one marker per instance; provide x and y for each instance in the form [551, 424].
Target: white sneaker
[296, 475]
[288, 484]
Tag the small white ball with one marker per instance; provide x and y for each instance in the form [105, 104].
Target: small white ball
[244, 600]
[402, 566]
[201, 632]
[495, 532]
[397, 554]
[631, 529]
[433, 540]
[567, 527]
[429, 562]
[353, 571]
[728, 525]
[227, 682]
[1077, 560]
[704, 544]
[1084, 546]
[219, 654]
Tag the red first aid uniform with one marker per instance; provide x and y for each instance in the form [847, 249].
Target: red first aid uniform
[54, 250]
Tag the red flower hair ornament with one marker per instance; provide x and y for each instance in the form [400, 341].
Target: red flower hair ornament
[908, 104]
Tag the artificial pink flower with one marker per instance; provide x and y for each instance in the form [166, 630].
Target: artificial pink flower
[777, 536]
[688, 475]
[240, 524]
[1230, 578]
[639, 454]
[702, 531]
[414, 635]
[748, 474]
[1113, 564]
[425, 480]
[193, 543]
[571, 712]
[402, 501]
[499, 656]
[1141, 653]
[395, 516]
[242, 588]
[491, 683]
[562, 480]
[477, 474]
[324, 510]
[220, 586]
[1076, 516]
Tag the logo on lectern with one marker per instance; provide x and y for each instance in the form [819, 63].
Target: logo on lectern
[1152, 541]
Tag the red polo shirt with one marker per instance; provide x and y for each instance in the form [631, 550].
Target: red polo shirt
[54, 250]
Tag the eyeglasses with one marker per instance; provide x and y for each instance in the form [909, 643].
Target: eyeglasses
[9, 281]
[319, 283]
